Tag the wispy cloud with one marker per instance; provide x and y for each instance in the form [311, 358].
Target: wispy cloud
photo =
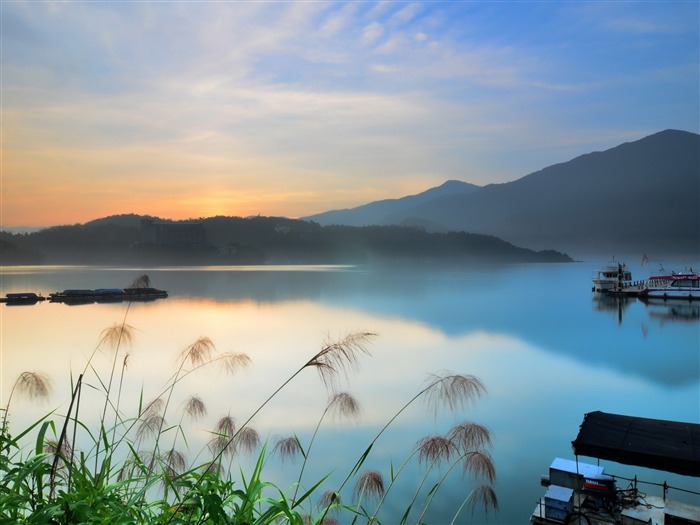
[335, 100]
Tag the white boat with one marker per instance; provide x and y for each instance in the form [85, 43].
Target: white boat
[613, 277]
[684, 285]
[584, 494]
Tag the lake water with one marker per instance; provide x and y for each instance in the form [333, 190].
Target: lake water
[547, 349]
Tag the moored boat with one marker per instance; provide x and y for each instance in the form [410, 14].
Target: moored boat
[613, 277]
[21, 298]
[583, 493]
[684, 285]
[102, 295]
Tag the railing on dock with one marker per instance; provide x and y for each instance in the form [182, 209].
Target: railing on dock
[665, 486]
[625, 497]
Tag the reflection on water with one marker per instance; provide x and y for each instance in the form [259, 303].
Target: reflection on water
[547, 352]
[682, 311]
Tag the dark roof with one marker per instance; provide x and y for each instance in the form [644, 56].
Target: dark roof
[654, 443]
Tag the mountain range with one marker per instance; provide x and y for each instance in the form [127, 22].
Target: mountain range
[638, 197]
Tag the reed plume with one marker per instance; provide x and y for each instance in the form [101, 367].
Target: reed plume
[288, 448]
[435, 450]
[370, 483]
[198, 352]
[485, 497]
[114, 337]
[117, 335]
[62, 452]
[469, 436]
[328, 499]
[341, 356]
[155, 407]
[174, 463]
[150, 426]
[143, 281]
[232, 362]
[455, 391]
[222, 443]
[247, 439]
[343, 404]
[480, 464]
[195, 407]
[34, 385]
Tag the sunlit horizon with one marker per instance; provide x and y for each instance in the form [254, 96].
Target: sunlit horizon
[187, 110]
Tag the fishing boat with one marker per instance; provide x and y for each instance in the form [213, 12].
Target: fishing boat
[21, 298]
[583, 493]
[684, 286]
[613, 277]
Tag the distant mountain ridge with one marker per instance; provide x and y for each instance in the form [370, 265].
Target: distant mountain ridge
[637, 197]
[375, 213]
[135, 239]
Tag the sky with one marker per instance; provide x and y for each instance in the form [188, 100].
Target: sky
[184, 109]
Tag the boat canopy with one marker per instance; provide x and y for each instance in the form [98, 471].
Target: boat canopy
[670, 446]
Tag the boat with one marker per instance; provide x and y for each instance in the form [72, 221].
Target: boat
[17, 298]
[613, 277]
[684, 285]
[583, 493]
[104, 295]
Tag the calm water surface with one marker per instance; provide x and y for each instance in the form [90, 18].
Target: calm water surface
[547, 349]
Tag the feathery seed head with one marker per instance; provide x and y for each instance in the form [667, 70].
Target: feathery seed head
[64, 454]
[143, 281]
[118, 335]
[198, 352]
[33, 384]
[340, 356]
[469, 436]
[485, 497]
[174, 463]
[454, 391]
[288, 448]
[435, 449]
[150, 425]
[480, 464]
[370, 483]
[344, 404]
[153, 408]
[329, 498]
[226, 426]
[195, 407]
[232, 362]
[222, 442]
[247, 439]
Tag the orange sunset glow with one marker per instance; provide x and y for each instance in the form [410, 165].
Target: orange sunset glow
[294, 108]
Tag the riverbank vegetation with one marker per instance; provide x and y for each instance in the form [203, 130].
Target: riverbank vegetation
[134, 465]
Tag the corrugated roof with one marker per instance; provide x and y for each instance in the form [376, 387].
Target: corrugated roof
[670, 446]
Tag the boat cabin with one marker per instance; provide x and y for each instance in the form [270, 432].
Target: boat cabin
[583, 493]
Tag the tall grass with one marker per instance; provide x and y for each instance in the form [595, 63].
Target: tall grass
[134, 468]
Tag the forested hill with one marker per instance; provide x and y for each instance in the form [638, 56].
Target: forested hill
[134, 239]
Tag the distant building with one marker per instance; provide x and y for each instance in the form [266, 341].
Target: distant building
[185, 234]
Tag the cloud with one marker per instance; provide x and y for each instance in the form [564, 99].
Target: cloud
[372, 32]
[374, 97]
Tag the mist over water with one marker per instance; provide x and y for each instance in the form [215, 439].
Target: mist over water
[546, 347]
